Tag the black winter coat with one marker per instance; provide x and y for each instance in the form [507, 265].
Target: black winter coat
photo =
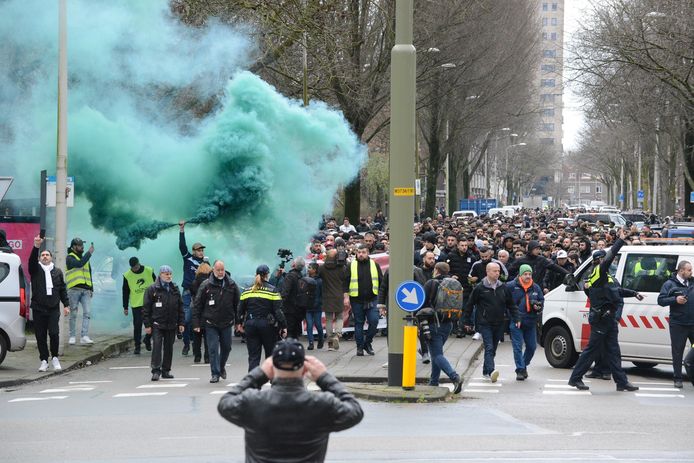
[289, 290]
[460, 265]
[288, 423]
[216, 303]
[540, 265]
[167, 315]
[492, 304]
[39, 299]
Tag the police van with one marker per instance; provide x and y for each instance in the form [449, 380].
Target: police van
[644, 337]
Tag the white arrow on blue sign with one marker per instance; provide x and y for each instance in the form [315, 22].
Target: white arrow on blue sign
[410, 296]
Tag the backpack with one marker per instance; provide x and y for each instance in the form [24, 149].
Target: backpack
[306, 292]
[449, 299]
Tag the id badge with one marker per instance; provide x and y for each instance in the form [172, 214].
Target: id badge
[158, 304]
[211, 302]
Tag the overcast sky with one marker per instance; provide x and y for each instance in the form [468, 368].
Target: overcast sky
[573, 116]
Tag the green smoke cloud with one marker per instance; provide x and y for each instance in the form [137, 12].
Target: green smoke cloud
[255, 174]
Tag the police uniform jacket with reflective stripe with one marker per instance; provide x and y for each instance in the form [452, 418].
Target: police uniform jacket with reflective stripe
[216, 302]
[603, 294]
[260, 304]
[170, 314]
[287, 423]
[680, 314]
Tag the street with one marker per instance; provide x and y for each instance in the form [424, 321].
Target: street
[112, 412]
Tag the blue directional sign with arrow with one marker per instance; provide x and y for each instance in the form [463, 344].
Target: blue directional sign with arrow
[410, 296]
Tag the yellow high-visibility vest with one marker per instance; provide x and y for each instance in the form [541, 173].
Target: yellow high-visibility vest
[78, 275]
[354, 278]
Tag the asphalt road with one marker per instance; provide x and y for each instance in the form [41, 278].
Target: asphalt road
[112, 412]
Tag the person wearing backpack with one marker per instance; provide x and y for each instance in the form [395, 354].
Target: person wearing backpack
[314, 311]
[529, 298]
[445, 296]
[292, 311]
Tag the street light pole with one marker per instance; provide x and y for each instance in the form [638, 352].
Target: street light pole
[401, 189]
[59, 251]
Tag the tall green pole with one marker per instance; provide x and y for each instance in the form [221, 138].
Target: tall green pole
[401, 191]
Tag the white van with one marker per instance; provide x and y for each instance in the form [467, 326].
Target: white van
[501, 210]
[13, 303]
[463, 214]
[644, 337]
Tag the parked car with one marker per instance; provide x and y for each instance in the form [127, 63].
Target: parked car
[463, 214]
[606, 218]
[13, 303]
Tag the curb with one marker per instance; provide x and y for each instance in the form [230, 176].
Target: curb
[115, 348]
[423, 394]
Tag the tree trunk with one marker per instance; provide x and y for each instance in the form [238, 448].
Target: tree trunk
[353, 190]
[432, 177]
[688, 149]
[465, 179]
[452, 186]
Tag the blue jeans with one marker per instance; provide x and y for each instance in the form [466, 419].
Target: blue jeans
[527, 334]
[369, 312]
[313, 318]
[439, 334]
[187, 317]
[218, 346]
[491, 336]
[80, 296]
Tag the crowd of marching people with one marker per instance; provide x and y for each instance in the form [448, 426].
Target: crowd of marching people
[484, 276]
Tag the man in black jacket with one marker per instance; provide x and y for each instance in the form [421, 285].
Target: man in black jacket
[48, 290]
[301, 421]
[460, 262]
[492, 300]
[162, 316]
[215, 309]
[540, 265]
[293, 313]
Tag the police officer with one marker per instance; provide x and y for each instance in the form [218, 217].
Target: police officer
[605, 299]
[135, 282]
[260, 317]
[163, 316]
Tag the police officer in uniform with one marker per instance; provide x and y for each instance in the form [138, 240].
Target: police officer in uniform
[260, 317]
[605, 299]
[135, 283]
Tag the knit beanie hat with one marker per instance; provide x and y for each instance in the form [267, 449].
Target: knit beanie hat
[525, 268]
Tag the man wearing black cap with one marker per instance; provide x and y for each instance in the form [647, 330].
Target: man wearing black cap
[301, 421]
[80, 288]
[135, 283]
[540, 264]
[191, 262]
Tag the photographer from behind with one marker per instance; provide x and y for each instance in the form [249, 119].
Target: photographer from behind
[287, 422]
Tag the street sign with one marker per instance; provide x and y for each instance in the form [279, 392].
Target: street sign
[50, 191]
[691, 197]
[5, 183]
[410, 296]
[418, 187]
[621, 197]
[640, 196]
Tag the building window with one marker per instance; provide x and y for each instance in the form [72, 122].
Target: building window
[553, 36]
[548, 112]
[549, 53]
[547, 83]
[555, 21]
[598, 189]
[572, 175]
[546, 141]
[570, 190]
[545, 21]
[544, 36]
[547, 97]
[547, 127]
[545, 7]
[554, 6]
[585, 189]
[548, 67]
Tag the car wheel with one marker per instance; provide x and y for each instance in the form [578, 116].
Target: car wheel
[644, 364]
[559, 348]
[3, 348]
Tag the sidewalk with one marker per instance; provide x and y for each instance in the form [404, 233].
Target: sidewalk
[22, 367]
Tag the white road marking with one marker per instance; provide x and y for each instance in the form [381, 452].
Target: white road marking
[88, 382]
[490, 391]
[565, 380]
[566, 392]
[32, 399]
[179, 379]
[559, 386]
[67, 389]
[129, 368]
[649, 383]
[232, 384]
[156, 386]
[679, 396]
[666, 389]
[139, 394]
[485, 384]
[218, 392]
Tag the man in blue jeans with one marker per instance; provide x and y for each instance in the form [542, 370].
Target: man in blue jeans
[191, 262]
[360, 294]
[529, 298]
[440, 328]
[492, 300]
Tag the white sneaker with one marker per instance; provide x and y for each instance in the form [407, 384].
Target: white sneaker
[56, 364]
[494, 376]
[44, 366]
[477, 336]
[71, 340]
[385, 365]
[426, 358]
[86, 340]
[487, 378]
